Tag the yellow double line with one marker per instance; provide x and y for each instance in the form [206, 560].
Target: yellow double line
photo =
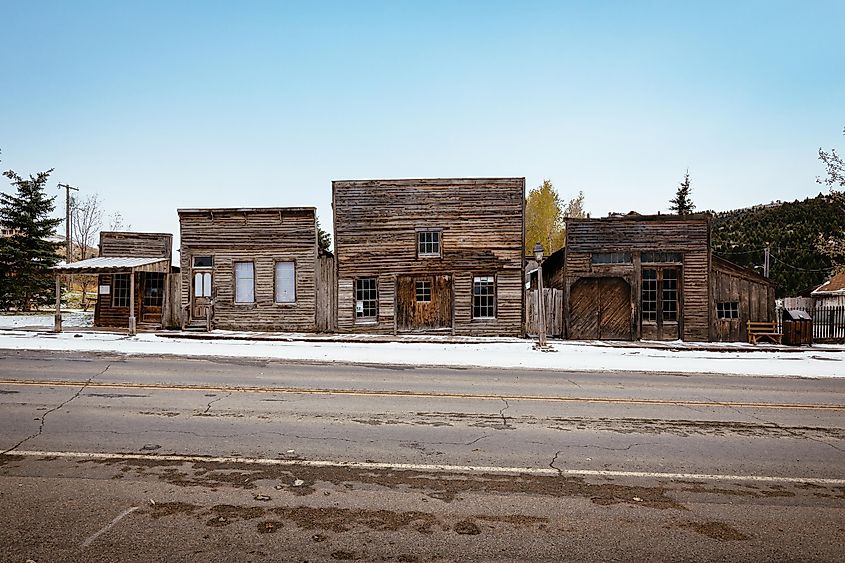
[415, 394]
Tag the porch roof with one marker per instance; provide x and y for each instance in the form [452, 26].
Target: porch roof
[114, 265]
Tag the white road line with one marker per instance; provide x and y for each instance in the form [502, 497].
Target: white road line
[110, 525]
[540, 471]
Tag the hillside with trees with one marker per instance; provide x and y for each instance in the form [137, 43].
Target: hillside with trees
[793, 231]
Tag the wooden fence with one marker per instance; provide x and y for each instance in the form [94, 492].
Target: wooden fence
[553, 300]
[326, 320]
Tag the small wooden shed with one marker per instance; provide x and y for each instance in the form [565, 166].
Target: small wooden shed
[251, 268]
[134, 282]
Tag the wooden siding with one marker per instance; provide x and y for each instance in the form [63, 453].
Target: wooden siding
[263, 237]
[688, 236]
[132, 245]
[754, 294]
[140, 245]
[481, 223]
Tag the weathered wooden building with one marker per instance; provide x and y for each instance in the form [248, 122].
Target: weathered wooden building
[135, 285]
[655, 278]
[250, 268]
[435, 255]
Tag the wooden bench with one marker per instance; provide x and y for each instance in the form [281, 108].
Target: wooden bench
[765, 331]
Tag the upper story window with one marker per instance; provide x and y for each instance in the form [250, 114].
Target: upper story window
[428, 243]
[661, 257]
[203, 261]
[611, 258]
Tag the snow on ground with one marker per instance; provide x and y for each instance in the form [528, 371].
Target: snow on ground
[70, 319]
[571, 356]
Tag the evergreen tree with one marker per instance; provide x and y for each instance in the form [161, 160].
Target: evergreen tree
[681, 203]
[324, 239]
[26, 255]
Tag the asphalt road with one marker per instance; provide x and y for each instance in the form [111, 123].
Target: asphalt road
[138, 458]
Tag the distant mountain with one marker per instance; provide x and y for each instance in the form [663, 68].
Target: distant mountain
[791, 228]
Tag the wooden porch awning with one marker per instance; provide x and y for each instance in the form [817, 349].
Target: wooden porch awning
[114, 265]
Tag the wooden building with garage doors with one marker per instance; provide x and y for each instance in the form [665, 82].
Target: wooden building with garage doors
[250, 268]
[654, 277]
[435, 255]
[135, 285]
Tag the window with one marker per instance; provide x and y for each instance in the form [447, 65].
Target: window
[202, 284]
[366, 298]
[153, 289]
[203, 261]
[670, 295]
[611, 258]
[423, 292]
[244, 282]
[649, 295]
[120, 295]
[661, 257]
[285, 282]
[428, 243]
[727, 310]
[484, 297]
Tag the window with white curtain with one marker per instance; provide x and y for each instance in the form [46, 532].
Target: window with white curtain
[285, 282]
[244, 282]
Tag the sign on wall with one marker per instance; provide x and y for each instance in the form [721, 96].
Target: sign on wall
[105, 289]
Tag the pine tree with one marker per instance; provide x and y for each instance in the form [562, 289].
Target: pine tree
[27, 255]
[681, 203]
[324, 239]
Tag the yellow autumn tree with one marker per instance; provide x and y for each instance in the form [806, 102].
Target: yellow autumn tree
[543, 219]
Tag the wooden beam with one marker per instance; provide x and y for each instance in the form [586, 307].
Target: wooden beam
[57, 326]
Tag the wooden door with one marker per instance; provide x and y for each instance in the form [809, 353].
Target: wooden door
[200, 293]
[151, 285]
[423, 303]
[600, 309]
[660, 303]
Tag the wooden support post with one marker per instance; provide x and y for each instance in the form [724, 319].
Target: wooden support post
[541, 306]
[57, 326]
[132, 325]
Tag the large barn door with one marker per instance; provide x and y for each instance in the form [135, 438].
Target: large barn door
[423, 303]
[600, 309]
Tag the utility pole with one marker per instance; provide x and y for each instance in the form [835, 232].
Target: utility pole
[68, 249]
[766, 261]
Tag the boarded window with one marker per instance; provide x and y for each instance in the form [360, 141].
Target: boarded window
[244, 282]
[428, 243]
[611, 258]
[661, 257]
[120, 295]
[202, 284]
[727, 310]
[366, 298]
[285, 282]
[423, 292]
[649, 295]
[203, 261]
[670, 295]
[483, 297]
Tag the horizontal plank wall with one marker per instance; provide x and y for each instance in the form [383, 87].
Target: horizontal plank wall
[481, 224]
[635, 234]
[263, 236]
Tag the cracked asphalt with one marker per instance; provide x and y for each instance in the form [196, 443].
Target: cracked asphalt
[616, 467]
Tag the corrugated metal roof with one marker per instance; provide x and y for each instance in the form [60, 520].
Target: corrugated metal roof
[107, 264]
[833, 286]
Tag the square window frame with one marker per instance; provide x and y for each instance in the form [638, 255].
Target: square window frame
[428, 255]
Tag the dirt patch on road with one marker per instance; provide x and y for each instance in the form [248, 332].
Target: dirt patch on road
[716, 530]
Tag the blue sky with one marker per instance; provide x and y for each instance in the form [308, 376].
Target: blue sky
[159, 105]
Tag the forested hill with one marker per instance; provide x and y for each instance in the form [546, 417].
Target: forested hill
[791, 228]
